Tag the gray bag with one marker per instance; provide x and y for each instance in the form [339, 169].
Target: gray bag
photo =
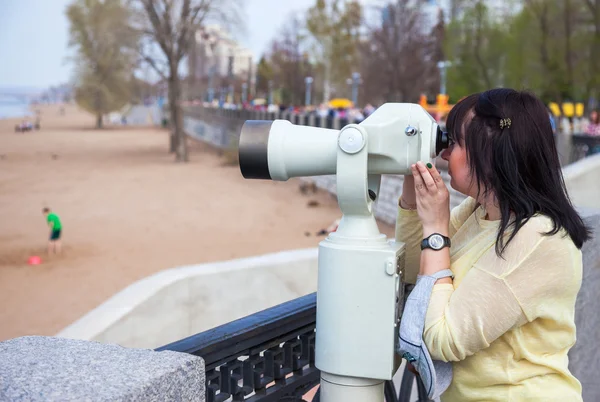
[436, 375]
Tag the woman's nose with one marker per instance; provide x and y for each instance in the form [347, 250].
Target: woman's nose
[445, 154]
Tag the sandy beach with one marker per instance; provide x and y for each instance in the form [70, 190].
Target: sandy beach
[128, 211]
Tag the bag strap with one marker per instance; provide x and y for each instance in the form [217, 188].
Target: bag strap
[444, 273]
[415, 308]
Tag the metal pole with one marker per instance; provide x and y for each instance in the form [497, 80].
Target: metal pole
[211, 90]
[308, 81]
[222, 95]
[335, 388]
[355, 82]
[443, 82]
[349, 83]
[244, 92]
[270, 92]
[443, 65]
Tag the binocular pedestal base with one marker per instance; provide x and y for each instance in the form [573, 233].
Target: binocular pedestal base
[350, 389]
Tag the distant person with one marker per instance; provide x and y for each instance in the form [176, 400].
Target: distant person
[368, 110]
[55, 231]
[593, 127]
[322, 111]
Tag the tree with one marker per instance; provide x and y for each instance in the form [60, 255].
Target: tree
[553, 59]
[549, 46]
[593, 7]
[172, 25]
[101, 96]
[478, 43]
[399, 59]
[288, 63]
[100, 33]
[335, 28]
[264, 74]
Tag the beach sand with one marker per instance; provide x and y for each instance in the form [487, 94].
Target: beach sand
[128, 211]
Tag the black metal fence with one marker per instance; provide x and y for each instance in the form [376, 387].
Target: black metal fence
[583, 146]
[269, 356]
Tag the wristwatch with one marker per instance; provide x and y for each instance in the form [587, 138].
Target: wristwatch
[435, 241]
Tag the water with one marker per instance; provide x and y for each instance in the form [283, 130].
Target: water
[11, 109]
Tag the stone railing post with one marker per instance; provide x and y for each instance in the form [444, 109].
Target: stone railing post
[38, 368]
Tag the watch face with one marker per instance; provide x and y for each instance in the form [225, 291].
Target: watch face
[436, 241]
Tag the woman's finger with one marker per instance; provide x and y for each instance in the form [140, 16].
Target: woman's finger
[426, 175]
[419, 184]
[437, 177]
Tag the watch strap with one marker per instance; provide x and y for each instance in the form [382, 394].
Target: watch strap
[425, 241]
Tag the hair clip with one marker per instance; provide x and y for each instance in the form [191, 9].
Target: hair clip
[505, 123]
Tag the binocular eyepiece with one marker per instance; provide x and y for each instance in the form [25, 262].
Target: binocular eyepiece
[396, 136]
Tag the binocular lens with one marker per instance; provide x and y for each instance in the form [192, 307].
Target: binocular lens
[253, 149]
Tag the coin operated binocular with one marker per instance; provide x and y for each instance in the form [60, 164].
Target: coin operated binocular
[360, 289]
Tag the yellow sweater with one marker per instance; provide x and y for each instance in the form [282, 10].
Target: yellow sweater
[505, 324]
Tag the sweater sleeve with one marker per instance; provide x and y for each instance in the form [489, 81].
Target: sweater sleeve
[463, 321]
[410, 232]
[534, 278]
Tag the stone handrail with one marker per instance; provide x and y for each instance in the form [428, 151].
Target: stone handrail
[47, 369]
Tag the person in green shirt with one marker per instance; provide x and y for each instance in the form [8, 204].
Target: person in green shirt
[55, 230]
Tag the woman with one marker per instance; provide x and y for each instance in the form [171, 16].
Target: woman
[593, 127]
[506, 319]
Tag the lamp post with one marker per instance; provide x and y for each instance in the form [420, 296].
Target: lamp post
[230, 94]
[222, 96]
[209, 42]
[349, 83]
[443, 66]
[244, 92]
[211, 90]
[356, 81]
[270, 92]
[308, 81]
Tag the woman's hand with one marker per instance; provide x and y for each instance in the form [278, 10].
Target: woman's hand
[433, 199]
[408, 199]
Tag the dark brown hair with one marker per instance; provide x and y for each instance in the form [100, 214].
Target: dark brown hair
[518, 164]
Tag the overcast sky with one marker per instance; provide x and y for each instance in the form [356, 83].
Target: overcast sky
[34, 36]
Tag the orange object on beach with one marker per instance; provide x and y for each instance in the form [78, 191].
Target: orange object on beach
[34, 260]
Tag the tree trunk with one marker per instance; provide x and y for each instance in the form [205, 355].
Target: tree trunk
[99, 120]
[595, 57]
[173, 111]
[179, 140]
[568, 51]
[478, 46]
[172, 141]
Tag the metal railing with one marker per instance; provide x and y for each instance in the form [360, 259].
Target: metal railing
[269, 356]
[583, 146]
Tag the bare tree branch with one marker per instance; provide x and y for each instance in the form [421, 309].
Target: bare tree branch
[172, 24]
[158, 32]
[154, 66]
[479, 43]
[591, 6]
